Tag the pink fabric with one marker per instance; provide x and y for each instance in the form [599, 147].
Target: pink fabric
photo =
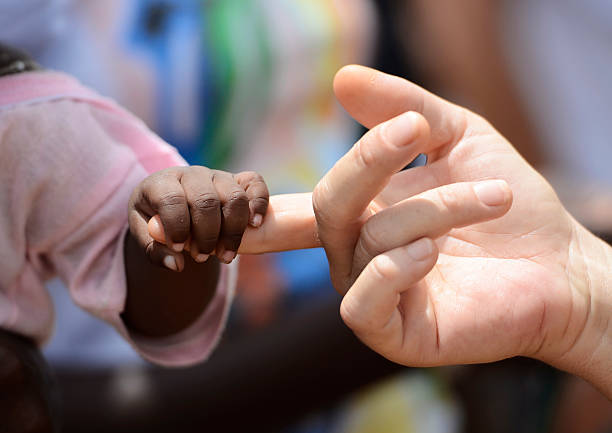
[70, 160]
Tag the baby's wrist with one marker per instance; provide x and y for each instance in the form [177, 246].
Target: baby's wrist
[590, 352]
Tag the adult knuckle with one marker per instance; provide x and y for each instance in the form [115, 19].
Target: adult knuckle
[383, 269]
[369, 239]
[449, 200]
[349, 312]
[326, 214]
[318, 196]
[382, 136]
[364, 152]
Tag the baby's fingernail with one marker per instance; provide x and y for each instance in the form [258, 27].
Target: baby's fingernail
[256, 221]
[492, 192]
[201, 258]
[170, 263]
[178, 247]
[228, 256]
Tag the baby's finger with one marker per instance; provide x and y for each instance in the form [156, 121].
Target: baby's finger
[370, 307]
[257, 193]
[157, 253]
[205, 209]
[166, 197]
[161, 255]
[235, 211]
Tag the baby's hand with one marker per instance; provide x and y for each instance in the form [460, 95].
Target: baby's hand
[201, 210]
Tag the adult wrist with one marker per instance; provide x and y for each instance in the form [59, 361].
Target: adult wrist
[588, 353]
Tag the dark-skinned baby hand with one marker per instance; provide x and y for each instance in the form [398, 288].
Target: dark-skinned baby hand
[203, 211]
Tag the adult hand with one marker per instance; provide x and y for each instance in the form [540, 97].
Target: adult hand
[532, 282]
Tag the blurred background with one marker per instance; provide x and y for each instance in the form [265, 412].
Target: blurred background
[246, 84]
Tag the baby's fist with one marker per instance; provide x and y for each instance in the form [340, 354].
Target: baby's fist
[201, 210]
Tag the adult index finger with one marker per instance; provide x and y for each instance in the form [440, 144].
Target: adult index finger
[344, 194]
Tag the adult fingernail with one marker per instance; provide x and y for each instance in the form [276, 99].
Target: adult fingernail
[492, 192]
[201, 258]
[421, 249]
[228, 256]
[256, 221]
[400, 131]
[178, 247]
[170, 263]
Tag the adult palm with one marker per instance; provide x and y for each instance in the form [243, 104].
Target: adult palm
[514, 285]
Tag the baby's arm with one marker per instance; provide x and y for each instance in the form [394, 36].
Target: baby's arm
[69, 166]
[204, 212]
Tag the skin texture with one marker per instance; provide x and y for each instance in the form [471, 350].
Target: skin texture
[208, 208]
[289, 224]
[532, 282]
[204, 212]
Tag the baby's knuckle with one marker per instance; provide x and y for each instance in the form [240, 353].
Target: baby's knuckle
[206, 202]
[260, 203]
[238, 201]
[135, 197]
[199, 170]
[171, 199]
[252, 176]
[237, 195]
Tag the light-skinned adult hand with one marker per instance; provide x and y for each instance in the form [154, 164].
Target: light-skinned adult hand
[427, 282]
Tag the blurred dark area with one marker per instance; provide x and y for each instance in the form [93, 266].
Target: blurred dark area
[261, 381]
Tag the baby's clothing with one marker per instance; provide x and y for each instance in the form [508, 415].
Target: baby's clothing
[70, 160]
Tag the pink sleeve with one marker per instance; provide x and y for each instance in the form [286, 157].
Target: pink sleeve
[68, 169]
